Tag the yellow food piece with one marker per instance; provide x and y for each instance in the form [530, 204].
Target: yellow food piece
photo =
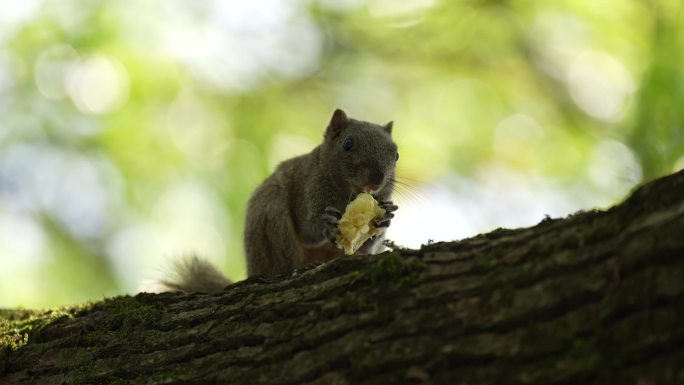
[356, 225]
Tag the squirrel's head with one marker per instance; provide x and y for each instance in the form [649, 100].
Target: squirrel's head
[361, 153]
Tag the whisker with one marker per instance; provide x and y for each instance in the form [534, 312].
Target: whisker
[414, 179]
[407, 191]
[412, 197]
[410, 179]
[404, 196]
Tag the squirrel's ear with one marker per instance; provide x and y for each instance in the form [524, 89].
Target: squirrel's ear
[388, 127]
[338, 122]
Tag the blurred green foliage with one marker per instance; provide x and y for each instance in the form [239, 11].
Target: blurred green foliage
[131, 132]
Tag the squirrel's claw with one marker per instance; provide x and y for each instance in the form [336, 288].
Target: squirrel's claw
[389, 208]
[330, 219]
[333, 212]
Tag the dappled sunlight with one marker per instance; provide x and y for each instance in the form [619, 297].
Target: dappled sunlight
[186, 219]
[132, 133]
[405, 9]
[229, 46]
[13, 15]
[679, 164]
[457, 207]
[97, 85]
[75, 190]
[52, 68]
[614, 169]
[197, 130]
[600, 85]
[21, 236]
[515, 140]
[284, 147]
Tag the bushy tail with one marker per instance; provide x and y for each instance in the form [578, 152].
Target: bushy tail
[192, 275]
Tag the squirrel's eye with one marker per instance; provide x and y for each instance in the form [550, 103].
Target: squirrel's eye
[396, 156]
[348, 144]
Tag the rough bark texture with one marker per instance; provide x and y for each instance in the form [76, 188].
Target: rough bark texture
[595, 298]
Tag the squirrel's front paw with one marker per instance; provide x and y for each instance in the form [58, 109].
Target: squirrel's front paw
[330, 219]
[390, 208]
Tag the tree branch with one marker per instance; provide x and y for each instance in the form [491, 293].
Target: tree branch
[595, 298]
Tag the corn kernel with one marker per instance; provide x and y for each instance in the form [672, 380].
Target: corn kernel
[356, 225]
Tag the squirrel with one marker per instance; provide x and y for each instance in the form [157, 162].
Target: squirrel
[292, 216]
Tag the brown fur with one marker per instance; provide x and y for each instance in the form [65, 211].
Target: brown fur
[284, 228]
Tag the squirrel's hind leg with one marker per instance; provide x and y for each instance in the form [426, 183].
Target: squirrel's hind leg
[271, 244]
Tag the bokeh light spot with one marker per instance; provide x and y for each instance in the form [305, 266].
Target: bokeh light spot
[98, 85]
[600, 85]
[614, 168]
[52, 68]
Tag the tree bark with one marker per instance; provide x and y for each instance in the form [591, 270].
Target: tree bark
[595, 298]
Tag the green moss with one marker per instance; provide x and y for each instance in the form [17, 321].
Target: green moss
[169, 374]
[30, 323]
[13, 341]
[351, 302]
[583, 356]
[79, 357]
[598, 228]
[394, 270]
[488, 257]
[125, 313]
[484, 259]
[120, 318]
[20, 327]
